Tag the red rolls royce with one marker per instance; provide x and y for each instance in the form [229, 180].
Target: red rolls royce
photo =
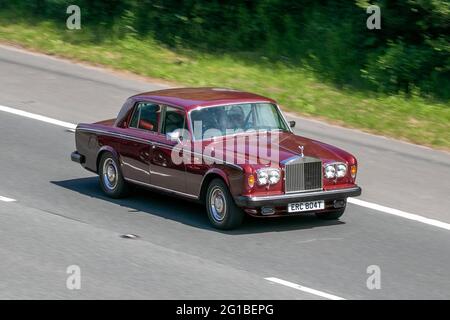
[233, 151]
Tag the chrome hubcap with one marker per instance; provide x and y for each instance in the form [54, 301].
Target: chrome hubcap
[110, 174]
[218, 204]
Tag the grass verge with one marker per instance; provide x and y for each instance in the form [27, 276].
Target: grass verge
[413, 119]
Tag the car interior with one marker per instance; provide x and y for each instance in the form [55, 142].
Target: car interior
[174, 119]
[146, 117]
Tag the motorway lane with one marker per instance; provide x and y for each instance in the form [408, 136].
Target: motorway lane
[58, 196]
[392, 173]
[59, 89]
[35, 258]
[327, 256]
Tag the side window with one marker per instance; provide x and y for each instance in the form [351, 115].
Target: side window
[268, 116]
[173, 120]
[146, 116]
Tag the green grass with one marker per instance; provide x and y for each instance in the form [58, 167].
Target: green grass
[415, 119]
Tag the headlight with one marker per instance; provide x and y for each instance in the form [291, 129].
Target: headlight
[263, 177]
[274, 176]
[335, 170]
[330, 171]
[341, 170]
[268, 176]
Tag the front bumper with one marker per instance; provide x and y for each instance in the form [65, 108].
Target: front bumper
[285, 199]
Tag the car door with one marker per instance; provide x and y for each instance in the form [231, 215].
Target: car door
[135, 148]
[165, 172]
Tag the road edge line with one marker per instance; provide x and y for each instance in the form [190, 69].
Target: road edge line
[399, 213]
[362, 203]
[37, 117]
[304, 289]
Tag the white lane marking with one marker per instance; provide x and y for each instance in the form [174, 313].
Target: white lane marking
[304, 289]
[374, 206]
[5, 199]
[38, 117]
[399, 213]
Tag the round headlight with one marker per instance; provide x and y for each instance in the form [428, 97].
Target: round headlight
[341, 170]
[274, 176]
[263, 177]
[330, 171]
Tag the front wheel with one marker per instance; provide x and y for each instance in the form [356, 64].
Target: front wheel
[111, 178]
[222, 211]
[334, 215]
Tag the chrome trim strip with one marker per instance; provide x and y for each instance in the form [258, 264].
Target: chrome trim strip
[150, 142]
[290, 159]
[115, 134]
[305, 191]
[162, 188]
[302, 194]
[219, 161]
[304, 159]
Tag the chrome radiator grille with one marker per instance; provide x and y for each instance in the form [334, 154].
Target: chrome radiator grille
[302, 175]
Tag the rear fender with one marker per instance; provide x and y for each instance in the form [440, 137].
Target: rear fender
[109, 149]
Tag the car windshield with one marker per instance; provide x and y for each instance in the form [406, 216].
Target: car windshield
[236, 118]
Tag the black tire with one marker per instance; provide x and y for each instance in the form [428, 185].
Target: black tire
[224, 216]
[114, 188]
[334, 215]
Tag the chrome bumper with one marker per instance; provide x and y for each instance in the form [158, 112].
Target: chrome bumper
[285, 199]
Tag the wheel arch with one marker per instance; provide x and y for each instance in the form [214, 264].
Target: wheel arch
[209, 176]
[101, 151]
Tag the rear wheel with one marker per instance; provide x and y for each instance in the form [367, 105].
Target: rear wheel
[111, 179]
[334, 215]
[222, 211]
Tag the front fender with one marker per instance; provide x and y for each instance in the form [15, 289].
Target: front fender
[233, 177]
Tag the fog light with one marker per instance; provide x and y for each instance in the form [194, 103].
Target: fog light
[266, 211]
[337, 204]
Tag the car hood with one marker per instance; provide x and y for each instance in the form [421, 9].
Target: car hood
[287, 144]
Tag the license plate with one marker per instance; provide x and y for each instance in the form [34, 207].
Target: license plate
[306, 206]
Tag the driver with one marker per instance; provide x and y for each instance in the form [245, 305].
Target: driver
[236, 118]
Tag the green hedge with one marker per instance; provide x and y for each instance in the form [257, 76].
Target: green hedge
[410, 54]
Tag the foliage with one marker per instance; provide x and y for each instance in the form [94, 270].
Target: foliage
[409, 54]
[415, 119]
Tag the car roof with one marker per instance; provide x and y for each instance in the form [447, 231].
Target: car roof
[190, 98]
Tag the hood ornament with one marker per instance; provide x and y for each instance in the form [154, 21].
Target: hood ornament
[301, 151]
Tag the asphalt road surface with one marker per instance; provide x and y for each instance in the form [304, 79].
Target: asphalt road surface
[60, 217]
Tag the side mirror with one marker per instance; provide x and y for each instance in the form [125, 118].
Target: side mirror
[174, 136]
[292, 123]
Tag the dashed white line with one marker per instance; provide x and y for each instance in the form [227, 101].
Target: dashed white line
[38, 117]
[304, 289]
[374, 206]
[399, 213]
[5, 199]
